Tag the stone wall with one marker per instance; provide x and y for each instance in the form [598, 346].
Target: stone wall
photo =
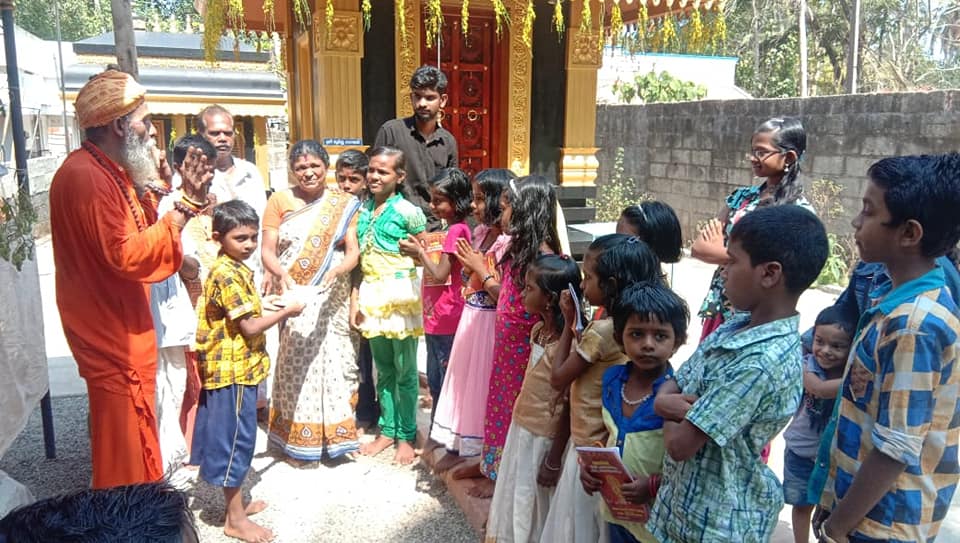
[691, 155]
[40, 171]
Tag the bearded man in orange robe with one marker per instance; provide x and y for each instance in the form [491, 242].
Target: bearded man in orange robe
[109, 245]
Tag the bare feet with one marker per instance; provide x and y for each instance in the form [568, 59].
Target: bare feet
[448, 461]
[376, 446]
[468, 471]
[405, 454]
[247, 530]
[255, 507]
[482, 489]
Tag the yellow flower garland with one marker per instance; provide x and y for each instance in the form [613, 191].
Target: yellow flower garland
[558, 17]
[433, 21]
[465, 17]
[616, 22]
[366, 8]
[527, 35]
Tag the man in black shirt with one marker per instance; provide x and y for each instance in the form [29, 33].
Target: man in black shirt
[427, 146]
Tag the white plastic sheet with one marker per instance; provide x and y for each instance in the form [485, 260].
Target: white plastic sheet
[23, 359]
[12, 494]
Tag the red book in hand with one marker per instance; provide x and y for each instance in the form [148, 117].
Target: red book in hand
[606, 465]
[433, 245]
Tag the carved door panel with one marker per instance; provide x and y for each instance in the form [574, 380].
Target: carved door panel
[468, 63]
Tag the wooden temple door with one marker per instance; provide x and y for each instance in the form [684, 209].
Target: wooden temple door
[468, 63]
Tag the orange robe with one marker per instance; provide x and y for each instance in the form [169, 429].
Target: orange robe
[104, 268]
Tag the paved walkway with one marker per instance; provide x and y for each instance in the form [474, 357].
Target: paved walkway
[363, 500]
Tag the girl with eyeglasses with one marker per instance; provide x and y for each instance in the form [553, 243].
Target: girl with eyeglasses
[777, 147]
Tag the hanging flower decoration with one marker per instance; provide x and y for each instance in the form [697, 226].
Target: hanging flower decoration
[433, 21]
[527, 35]
[698, 35]
[235, 14]
[601, 35]
[328, 15]
[616, 22]
[501, 16]
[697, 40]
[668, 33]
[718, 34]
[366, 8]
[558, 17]
[400, 14]
[268, 16]
[301, 12]
[586, 18]
[214, 24]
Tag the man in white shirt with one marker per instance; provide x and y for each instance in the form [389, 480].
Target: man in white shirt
[233, 178]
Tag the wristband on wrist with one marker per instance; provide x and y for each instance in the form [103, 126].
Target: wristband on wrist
[185, 209]
[653, 485]
[485, 279]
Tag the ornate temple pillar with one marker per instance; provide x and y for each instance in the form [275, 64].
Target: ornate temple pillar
[406, 50]
[336, 96]
[519, 73]
[579, 163]
[337, 54]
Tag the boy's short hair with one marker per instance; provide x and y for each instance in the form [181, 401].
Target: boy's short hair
[234, 214]
[193, 140]
[429, 77]
[833, 316]
[925, 189]
[353, 159]
[650, 299]
[788, 234]
[143, 512]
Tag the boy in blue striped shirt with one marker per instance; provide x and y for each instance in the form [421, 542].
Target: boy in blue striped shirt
[893, 463]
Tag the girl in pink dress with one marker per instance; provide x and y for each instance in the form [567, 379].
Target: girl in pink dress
[458, 423]
[528, 215]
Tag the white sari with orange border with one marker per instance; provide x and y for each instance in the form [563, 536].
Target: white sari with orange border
[315, 384]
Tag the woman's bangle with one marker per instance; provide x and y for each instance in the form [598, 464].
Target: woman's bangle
[546, 464]
[485, 279]
[189, 201]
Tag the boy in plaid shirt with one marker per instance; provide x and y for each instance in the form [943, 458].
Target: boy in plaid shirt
[232, 359]
[893, 462]
[740, 388]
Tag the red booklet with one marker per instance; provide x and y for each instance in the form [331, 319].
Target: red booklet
[434, 249]
[605, 464]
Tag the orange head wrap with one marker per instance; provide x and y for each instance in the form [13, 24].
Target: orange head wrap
[107, 97]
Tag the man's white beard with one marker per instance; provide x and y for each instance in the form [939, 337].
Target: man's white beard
[138, 159]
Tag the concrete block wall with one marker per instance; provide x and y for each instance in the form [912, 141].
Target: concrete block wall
[692, 154]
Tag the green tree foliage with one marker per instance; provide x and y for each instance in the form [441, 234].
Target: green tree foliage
[81, 19]
[904, 45]
[653, 87]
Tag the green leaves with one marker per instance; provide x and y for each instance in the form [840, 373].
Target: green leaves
[653, 87]
[17, 218]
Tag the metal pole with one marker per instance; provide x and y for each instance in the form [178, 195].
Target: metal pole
[13, 81]
[20, 152]
[853, 49]
[803, 49]
[63, 83]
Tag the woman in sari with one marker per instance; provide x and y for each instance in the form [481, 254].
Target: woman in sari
[309, 248]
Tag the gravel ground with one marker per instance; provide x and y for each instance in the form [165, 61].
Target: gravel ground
[363, 500]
